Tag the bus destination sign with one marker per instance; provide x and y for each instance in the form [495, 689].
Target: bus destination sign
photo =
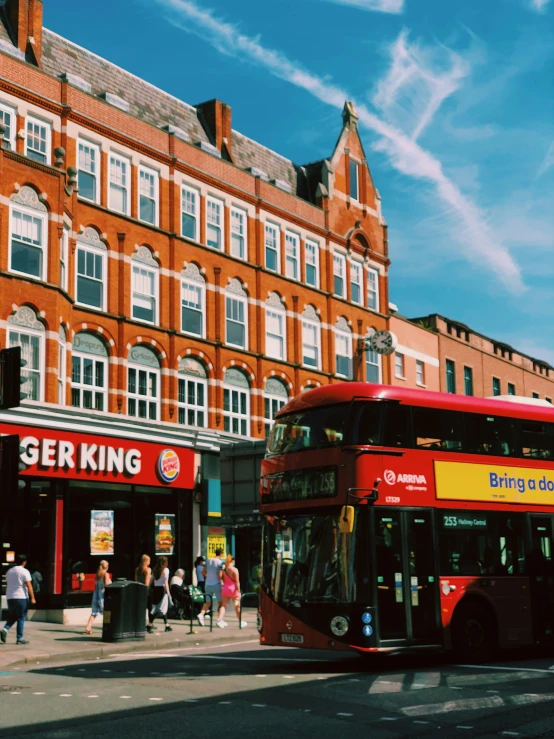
[464, 521]
[299, 485]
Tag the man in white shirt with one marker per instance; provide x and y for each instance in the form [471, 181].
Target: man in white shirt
[19, 591]
[213, 572]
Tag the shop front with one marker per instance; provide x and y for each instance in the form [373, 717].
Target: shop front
[89, 497]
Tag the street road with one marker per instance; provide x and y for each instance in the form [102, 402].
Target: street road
[244, 690]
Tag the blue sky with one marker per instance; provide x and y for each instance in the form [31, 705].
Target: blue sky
[456, 104]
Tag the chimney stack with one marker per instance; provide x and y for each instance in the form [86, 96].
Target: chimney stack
[25, 27]
[216, 119]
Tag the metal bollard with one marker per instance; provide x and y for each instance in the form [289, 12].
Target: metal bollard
[243, 596]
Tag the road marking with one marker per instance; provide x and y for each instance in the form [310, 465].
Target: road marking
[261, 675]
[322, 677]
[39, 693]
[288, 677]
[155, 673]
[258, 705]
[191, 700]
[105, 670]
[510, 733]
[92, 696]
[493, 691]
[353, 680]
[15, 692]
[131, 672]
[504, 669]
[155, 699]
[65, 695]
[421, 722]
[124, 697]
[388, 718]
[224, 703]
[81, 669]
[464, 727]
[345, 714]
[455, 687]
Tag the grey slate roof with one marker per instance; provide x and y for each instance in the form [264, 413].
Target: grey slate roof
[156, 107]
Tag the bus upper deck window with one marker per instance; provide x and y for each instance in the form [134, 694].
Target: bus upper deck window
[397, 426]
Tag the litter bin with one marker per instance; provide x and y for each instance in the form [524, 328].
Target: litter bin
[124, 611]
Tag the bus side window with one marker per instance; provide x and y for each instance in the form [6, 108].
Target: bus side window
[494, 435]
[437, 429]
[397, 430]
[536, 439]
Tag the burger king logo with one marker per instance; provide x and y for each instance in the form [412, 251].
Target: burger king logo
[169, 465]
[390, 477]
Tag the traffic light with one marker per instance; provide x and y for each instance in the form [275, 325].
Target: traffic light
[10, 464]
[11, 378]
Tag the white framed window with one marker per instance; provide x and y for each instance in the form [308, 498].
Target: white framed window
[64, 254]
[143, 383]
[272, 247]
[89, 171]
[190, 199]
[38, 135]
[311, 339]
[8, 117]
[275, 397]
[354, 180]
[275, 328]
[399, 366]
[236, 402]
[356, 282]
[62, 352]
[26, 331]
[145, 289]
[372, 366]
[239, 246]
[214, 223]
[292, 245]
[311, 252]
[193, 307]
[28, 241]
[192, 401]
[236, 309]
[372, 289]
[343, 349]
[90, 276]
[420, 372]
[339, 275]
[120, 180]
[148, 195]
[89, 373]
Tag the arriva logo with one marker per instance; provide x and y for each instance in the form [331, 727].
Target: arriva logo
[391, 478]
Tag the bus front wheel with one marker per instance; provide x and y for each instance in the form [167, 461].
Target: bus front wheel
[474, 636]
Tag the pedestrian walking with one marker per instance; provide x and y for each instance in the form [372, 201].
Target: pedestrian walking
[160, 594]
[200, 567]
[230, 588]
[102, 579]
[143, 574]
[19, 591]
[213, 572]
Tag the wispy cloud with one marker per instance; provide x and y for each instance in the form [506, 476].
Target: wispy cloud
[539, 5]
[418, 81]
[381, 6]
[468, 225]
[547, 162]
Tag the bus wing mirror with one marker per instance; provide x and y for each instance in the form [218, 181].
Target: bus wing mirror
[347, 519]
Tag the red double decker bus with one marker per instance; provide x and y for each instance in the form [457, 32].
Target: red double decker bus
[402, 519]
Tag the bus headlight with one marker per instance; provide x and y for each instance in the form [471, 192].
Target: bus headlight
[259, 622]
[339, 625]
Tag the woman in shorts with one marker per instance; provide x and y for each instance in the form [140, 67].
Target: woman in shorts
[230, 588]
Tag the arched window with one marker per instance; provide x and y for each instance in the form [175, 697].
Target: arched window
[275, 397]
[193, 301]
[91, 270]
[193, 393]
[236, 315]
[62, 348]
[28, 234]
[89, 372]
[26, 331]
[143, 383]
[343, 348]
[311, 338]
[236, 402]
[275, 328]
[145, 286]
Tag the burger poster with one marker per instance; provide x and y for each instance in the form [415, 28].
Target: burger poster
[165, 533]
[101, 532]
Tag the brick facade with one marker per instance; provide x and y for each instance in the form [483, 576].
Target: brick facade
[80, 97]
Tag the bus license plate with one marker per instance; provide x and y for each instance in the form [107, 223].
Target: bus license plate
[293, 638]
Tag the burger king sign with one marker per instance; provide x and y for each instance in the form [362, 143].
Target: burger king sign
[169, 465]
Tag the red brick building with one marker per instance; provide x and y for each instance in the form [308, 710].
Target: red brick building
[163, 273]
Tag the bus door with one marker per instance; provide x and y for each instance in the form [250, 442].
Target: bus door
[406, 578]
[539, 566]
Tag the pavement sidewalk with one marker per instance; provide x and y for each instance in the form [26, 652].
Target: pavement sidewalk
[59, 643]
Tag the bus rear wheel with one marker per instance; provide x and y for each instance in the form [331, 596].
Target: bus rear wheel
[474, 636]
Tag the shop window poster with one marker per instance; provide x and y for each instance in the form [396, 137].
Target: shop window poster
[101, 532]
[165, 533]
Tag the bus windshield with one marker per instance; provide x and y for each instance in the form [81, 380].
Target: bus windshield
[308, 560]
[316, 428]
